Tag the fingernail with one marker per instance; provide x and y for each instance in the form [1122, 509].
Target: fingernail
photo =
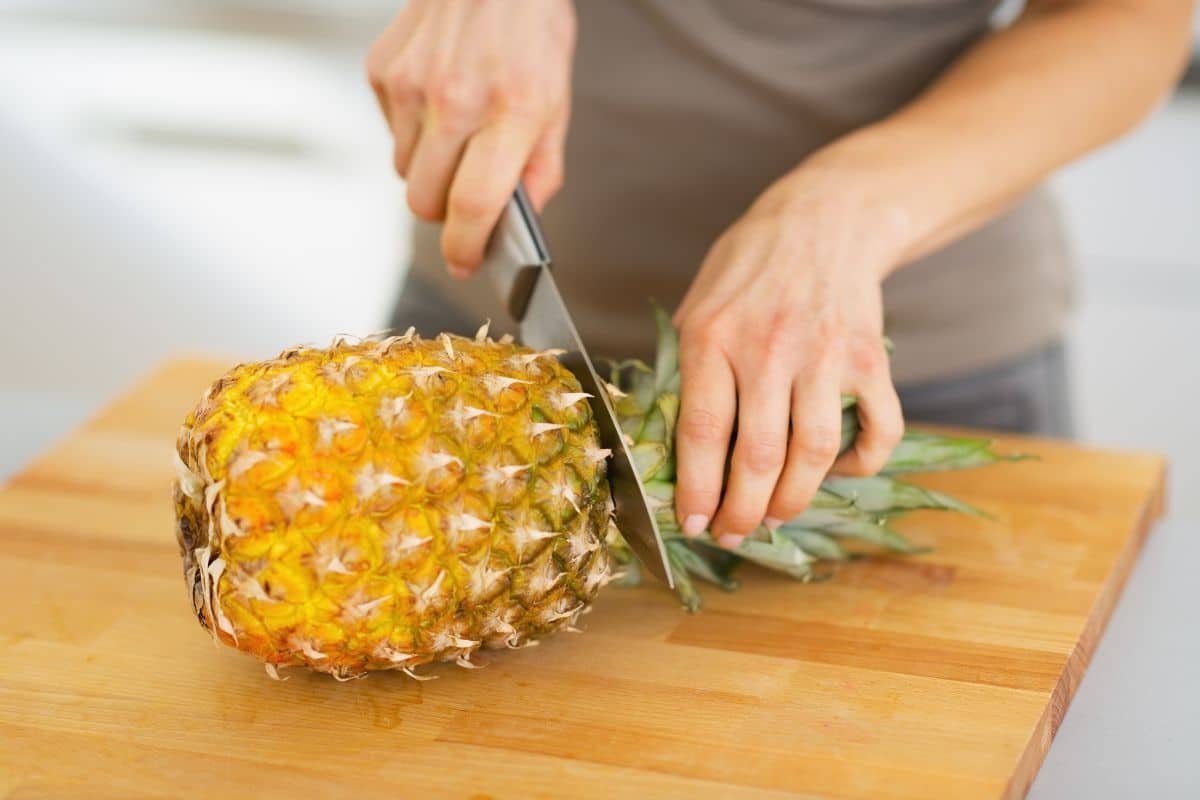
[458, 271]
[730, 541]
[772, 523]
[695, 524]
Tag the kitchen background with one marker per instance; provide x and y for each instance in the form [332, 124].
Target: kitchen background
[210, 176]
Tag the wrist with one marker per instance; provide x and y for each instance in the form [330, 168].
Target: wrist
[876, 188]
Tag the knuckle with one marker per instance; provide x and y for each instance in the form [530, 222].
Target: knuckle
[423, 204]
[517, 94]
[469, 206]
[762, 453]
[825, 332]
[400, 163]
[867, 355]
[817, 445]
[397, 79]
[699, 333]
[451, 96]
[376, 66]
[703, 426]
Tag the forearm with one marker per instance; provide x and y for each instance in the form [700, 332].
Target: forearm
[1064, 79]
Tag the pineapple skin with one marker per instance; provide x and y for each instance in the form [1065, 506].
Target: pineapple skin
[385, 504]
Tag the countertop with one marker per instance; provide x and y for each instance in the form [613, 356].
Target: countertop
[939, 676]
[1134, 727]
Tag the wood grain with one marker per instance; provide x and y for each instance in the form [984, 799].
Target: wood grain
[943, 675]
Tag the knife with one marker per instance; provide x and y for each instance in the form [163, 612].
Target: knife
[518, 263]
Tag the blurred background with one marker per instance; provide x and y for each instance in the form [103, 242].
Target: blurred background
[210, 176]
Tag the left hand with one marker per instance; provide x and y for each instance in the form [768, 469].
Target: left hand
[785, 316]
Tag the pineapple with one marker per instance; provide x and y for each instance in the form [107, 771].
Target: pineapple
[385, 504]
[388, 503]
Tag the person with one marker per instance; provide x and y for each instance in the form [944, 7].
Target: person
[793, 179]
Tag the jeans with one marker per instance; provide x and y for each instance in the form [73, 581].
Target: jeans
[1027, 395]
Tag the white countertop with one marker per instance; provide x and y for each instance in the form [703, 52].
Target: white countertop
[1133, 728]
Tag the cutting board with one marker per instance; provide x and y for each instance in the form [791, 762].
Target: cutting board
[941, 675]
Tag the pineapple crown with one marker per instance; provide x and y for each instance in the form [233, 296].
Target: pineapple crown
[844, 510]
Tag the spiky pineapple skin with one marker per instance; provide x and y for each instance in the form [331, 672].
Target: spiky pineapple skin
[385, 504]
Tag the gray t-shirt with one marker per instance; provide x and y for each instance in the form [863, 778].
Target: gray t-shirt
[685, 111]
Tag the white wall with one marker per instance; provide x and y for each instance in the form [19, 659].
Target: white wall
[169, 191]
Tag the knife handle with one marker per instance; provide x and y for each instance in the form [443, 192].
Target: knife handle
[516, 250]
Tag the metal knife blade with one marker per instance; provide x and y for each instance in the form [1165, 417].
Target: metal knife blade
[518, 263]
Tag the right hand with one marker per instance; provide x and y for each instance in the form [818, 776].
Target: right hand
[477, 96]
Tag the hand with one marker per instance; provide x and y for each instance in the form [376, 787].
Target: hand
[785, 316]
[477, 96]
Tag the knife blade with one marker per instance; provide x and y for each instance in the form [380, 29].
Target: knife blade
[518, 264]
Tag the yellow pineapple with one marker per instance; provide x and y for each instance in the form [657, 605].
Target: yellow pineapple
[388, 503]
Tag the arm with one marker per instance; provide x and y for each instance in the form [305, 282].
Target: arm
[1067, 77]
[786, 311]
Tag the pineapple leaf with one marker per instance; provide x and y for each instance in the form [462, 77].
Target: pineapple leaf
[880, 494]
[631, 425]
[629, 570]
[777, 552]
[666, 361]
[668, 406]
[920, 451]
[850, 428]
[854, 523]
[816, 543]
[661, 491]
[641, 388]
[827, 499]
[684, 588]
[654, 428]
[699, 565]
[629, 573]
[648, 459]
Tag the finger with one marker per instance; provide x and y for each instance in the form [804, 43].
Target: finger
[708, 405]
[881, 421]
[435, 159]
[813, 444]
[395, 73]
[383, 52]
[490, 169]
[405, 122]
[758, 453]
[543, 175]
[452, 107]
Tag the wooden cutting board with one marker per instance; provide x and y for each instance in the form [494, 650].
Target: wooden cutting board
[943, 675]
